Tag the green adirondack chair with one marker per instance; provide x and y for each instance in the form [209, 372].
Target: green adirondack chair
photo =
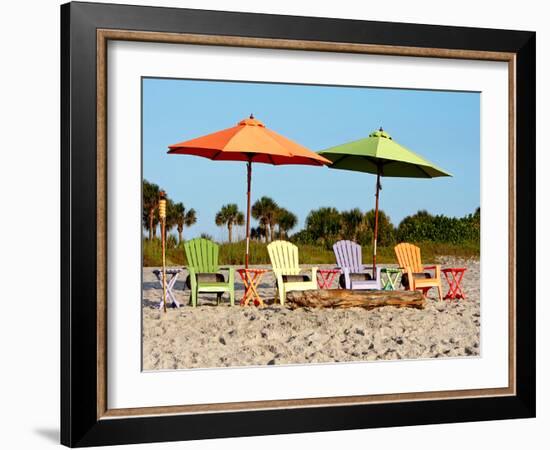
[202, 264]
[284, 259]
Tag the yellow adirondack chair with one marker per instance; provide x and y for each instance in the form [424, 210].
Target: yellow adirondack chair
[408, 256]
[284, 259]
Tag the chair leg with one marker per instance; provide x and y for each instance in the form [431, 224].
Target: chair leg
[218, 298]
[439, 292]
[194, 295]
[282, 295]
[232, 297]
[421, 289]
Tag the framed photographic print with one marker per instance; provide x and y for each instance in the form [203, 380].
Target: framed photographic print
[277, 224]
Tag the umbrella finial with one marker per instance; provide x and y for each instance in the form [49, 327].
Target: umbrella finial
[381, 129]
[252, 115]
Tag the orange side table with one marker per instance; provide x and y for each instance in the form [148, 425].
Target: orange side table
[251, 279]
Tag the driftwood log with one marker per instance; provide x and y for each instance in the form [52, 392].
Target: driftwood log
[344, 298]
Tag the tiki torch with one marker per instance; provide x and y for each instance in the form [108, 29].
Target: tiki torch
[162, 215]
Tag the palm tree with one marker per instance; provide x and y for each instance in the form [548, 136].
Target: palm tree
[264, 228]
[171, 214]
[229, 215]
[286, 221]
[258, 233]
[351, 221]
[265, 210]
[151, 193]
[147, 226]
[181, 218]
[190, 219]
[323, 224]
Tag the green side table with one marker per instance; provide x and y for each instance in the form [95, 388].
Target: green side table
[392, 276]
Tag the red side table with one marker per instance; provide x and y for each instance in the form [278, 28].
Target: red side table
[454, 276]
[251, 279]
[325, 277]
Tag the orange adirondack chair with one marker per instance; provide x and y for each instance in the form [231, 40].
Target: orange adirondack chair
[408, 256]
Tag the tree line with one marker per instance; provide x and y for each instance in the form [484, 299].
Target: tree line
[323, 226]
[274, 222]
[177, 216]
[326, 225]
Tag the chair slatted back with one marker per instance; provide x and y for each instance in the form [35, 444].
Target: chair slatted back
[284, 257]
[408, 255]
[348, 255]
[202, 255]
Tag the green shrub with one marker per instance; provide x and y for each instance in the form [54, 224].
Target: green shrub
[422, 227]
[171, 241]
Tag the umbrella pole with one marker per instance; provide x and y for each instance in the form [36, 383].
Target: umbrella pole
[248, 182]
[375, 237]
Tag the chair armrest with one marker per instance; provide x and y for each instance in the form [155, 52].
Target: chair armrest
[231, 270]
[369, 269]
[436, 268]
[231, 277]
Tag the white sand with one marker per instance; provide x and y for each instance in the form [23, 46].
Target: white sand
[220, 336]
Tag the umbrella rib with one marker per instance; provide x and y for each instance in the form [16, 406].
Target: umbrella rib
[422, 169]
[376, 161]
[371, 159]
[272, 139]
[339, 160]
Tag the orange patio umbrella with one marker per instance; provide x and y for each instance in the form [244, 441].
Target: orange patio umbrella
[251, 142]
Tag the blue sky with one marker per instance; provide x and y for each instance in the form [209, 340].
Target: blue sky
[441, 126]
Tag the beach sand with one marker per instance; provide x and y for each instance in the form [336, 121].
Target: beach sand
[222, 336]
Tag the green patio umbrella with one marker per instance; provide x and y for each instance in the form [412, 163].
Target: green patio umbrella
[379, 154]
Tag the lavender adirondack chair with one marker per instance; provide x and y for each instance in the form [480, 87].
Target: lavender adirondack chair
[349, 260]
